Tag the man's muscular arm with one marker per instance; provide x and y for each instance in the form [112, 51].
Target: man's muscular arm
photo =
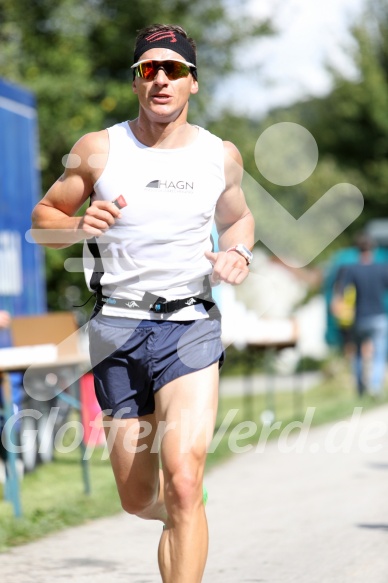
[54, 223]
[234, 223]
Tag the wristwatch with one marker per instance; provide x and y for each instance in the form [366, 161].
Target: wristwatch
[243, 251]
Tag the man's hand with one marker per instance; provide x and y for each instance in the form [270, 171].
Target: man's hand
[5, 319]
[228, 267]
[98, 218]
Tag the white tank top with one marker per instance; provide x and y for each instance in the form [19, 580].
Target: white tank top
[159, 243]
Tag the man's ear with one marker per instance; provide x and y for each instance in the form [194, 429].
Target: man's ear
[194, 87]
[134, 88]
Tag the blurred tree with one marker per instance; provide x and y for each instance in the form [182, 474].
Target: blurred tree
[350, 126]
[76, 57]
[351, 123]
[296, 199]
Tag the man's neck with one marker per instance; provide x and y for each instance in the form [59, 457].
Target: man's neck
[170, 135]
[366, 257]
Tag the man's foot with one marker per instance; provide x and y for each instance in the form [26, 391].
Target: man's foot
[205, 495]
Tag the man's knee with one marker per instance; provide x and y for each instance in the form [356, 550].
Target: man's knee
[183, 488]
[137, 500]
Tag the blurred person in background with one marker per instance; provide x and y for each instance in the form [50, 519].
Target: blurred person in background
[370, 328]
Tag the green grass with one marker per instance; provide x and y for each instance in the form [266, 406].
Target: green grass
[331, 400]
[52, 497]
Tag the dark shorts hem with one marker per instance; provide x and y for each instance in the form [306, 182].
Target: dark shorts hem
[159, 386]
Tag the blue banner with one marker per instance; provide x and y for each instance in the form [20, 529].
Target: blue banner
[22, 279]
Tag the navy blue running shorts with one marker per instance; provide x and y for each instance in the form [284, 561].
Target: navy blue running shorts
[132, 359]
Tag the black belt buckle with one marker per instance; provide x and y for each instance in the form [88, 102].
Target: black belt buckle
[160, 306]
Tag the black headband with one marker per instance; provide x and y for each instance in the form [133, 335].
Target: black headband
[166, 39]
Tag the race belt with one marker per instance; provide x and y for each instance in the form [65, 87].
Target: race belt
[152, 303]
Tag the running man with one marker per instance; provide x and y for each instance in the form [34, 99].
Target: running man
[156, 184]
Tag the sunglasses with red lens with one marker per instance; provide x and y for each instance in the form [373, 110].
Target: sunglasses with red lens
[173, 69]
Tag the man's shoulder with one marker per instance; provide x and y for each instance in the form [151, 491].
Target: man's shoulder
[232, 153]
[92, 143]
[99, 137]
[89, 153]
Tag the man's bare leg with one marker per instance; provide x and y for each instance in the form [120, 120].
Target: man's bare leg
[135, 464]
[188, 406]
[186, 410]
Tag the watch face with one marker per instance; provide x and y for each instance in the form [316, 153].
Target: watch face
[244, 251]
